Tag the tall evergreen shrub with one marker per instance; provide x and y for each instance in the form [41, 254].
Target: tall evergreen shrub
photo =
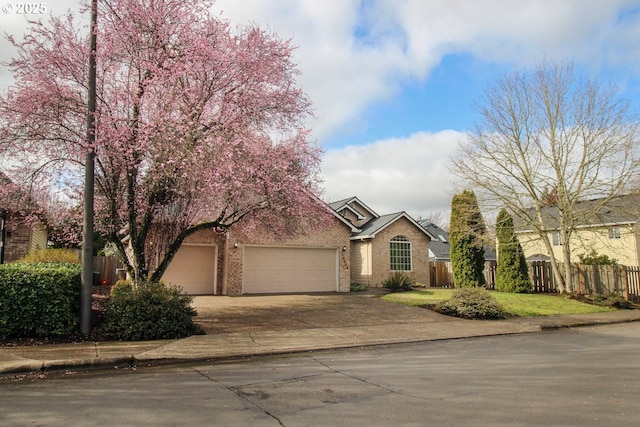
[512, 273]
[466, 235]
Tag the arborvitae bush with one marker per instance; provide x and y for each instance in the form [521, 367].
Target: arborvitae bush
[149, 311]
[466, 234]
[512, 272]
[472, 303]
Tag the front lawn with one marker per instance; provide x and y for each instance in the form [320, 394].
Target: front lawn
[514, 304]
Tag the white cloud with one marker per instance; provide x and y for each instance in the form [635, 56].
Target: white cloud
[410, 174]
[355, 53]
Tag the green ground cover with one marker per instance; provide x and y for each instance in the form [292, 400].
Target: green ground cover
[514, 304]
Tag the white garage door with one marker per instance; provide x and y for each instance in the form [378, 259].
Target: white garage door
[278, 269]
[193, 268]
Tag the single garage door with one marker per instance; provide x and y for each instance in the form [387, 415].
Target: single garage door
[193, 268]
[279, 269]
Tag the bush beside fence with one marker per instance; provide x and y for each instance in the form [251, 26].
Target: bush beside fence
[587, 279]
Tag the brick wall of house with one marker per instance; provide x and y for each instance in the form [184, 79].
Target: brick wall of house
[381, 263]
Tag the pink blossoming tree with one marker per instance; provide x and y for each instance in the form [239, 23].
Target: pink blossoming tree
[198, 125]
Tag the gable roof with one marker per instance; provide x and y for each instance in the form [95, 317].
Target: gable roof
[346, 204]
[601, 212]
[327, 206]
[376, 225]
[346, 222]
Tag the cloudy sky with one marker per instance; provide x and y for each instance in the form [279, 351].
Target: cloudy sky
[393, 82]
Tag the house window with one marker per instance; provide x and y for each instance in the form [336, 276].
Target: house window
[557, 239]
[614, 232]
[400, 249]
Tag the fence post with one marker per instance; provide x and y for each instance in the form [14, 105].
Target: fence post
[580, 280]
[625, 282]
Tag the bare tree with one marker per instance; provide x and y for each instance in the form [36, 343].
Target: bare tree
[547, 132]
[439, 218]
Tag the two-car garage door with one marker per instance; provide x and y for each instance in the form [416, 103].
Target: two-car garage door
[289, 269]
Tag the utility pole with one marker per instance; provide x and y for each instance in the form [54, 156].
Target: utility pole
[87, 233]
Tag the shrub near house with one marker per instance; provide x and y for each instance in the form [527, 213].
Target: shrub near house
[149, 311]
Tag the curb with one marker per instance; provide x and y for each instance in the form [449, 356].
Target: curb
[25, 366]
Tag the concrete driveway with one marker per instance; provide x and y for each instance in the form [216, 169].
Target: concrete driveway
[222, 314]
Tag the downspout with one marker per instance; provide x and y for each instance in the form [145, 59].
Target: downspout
[3, 233]
[225, 263]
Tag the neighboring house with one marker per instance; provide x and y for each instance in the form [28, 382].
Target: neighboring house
[18, 238]
[439, 247]
[440, 258]
[609, 228]
[209, 263]
[381, 245]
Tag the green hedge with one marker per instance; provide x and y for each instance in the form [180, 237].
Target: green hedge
[39, 300]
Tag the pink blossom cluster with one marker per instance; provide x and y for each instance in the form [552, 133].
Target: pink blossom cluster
[198, 124]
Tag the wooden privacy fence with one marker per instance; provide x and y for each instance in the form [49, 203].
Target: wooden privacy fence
[104, 268]
[587, 279]
[442, 274]
[590, 279]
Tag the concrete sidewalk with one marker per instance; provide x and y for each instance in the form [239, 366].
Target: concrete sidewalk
[266, 325]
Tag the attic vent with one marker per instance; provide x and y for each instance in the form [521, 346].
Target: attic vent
[442, 239]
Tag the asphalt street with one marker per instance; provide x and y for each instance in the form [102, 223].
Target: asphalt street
[570, 377]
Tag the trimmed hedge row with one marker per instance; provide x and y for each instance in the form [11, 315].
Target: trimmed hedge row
[39, 300]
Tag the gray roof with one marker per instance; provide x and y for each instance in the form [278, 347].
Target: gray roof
[371, 228]
[341, 204]
[618, 210]
[377, 223]
[440, 246]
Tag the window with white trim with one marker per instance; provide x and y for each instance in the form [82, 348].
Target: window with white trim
[614, 232]
[557, 239]
[400, 250]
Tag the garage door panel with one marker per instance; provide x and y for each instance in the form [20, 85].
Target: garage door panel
[278, 269]
[193, 268]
